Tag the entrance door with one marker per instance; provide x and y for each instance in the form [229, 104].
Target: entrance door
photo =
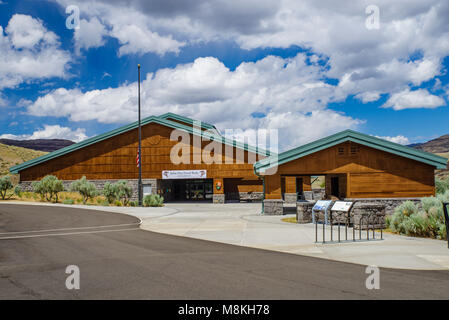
[299, 189]
[335, 187]
[198, 190]
[187, 189]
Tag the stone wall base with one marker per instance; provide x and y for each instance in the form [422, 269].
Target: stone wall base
[315, 194]
[304, 211]
[218, 198]
[244, 196]
[273, 207]
[368, 215]
[290, 198]
[99, 184]
[389, 203]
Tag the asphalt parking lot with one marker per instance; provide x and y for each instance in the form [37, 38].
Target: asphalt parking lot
[117, 260]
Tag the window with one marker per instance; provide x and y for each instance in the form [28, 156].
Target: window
[147, 189]
[341, 151]
[354, 149]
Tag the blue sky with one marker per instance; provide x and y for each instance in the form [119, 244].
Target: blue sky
[304, 68]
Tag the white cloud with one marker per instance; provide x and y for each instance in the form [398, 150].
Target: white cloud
[396, 139]
[28, 51]
[368, 96]
[51, 132]
[135, 32]
[26, 32]
[140, 40]
[90, 34]
[414, 99]
[288, 91]
[367, 63]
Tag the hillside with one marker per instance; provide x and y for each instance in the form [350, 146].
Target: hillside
[11, 155]
[438, 145]
[46, 145]
[442, 174]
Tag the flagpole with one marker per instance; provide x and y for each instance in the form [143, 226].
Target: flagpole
[140, 146]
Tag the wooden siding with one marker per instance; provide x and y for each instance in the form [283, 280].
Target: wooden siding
[233, 185]
[365, 172]
[290, 183]
[115, 158]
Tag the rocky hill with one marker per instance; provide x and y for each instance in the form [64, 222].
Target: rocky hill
[12, 155]
[47, 145]
[438, 145]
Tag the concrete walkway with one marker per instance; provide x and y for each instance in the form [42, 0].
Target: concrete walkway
[241, 224]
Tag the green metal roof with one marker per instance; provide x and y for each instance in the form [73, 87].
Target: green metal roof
[357, 137]
[170, 115]
[152, 119]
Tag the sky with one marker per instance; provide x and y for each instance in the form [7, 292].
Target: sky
[68, 68]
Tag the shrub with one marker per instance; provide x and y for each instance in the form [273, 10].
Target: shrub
[443, 197]
[68, 201]
[118, 191]
[441, 185]
[124, 191]
[134, 203]
[48, 188]
[408, 208]
[426, 222]
[153, 200]
[18, 191]
[118, 203]
[5, 186]
[110, 192]
[429, 202]
[86, 189]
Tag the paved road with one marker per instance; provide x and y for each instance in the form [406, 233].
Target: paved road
[119, 261]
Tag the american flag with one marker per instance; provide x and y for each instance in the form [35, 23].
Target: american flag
[137, 159]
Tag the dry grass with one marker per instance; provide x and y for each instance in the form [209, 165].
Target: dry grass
[11, 156]
[290, 219]
[65, 195]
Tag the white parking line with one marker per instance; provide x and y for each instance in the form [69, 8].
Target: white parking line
[65, 234]
[77, 228]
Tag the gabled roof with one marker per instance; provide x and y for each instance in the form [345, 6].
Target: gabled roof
[353, 136]
[170, 115]
[152, 119]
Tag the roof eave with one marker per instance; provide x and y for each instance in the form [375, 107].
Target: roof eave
[348, 135]
[131, 126]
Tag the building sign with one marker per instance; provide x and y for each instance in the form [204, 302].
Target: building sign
[341, 206]
[184, 174]
[322, 205]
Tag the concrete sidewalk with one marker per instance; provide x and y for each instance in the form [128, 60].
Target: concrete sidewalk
[241, 224]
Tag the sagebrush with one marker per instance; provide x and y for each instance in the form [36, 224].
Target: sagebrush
[423, 220]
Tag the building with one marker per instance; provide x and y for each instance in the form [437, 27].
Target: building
[184, 161]
[112, 156]
[355, 166]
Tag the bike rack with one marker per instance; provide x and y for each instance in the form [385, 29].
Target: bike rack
[371, 220]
